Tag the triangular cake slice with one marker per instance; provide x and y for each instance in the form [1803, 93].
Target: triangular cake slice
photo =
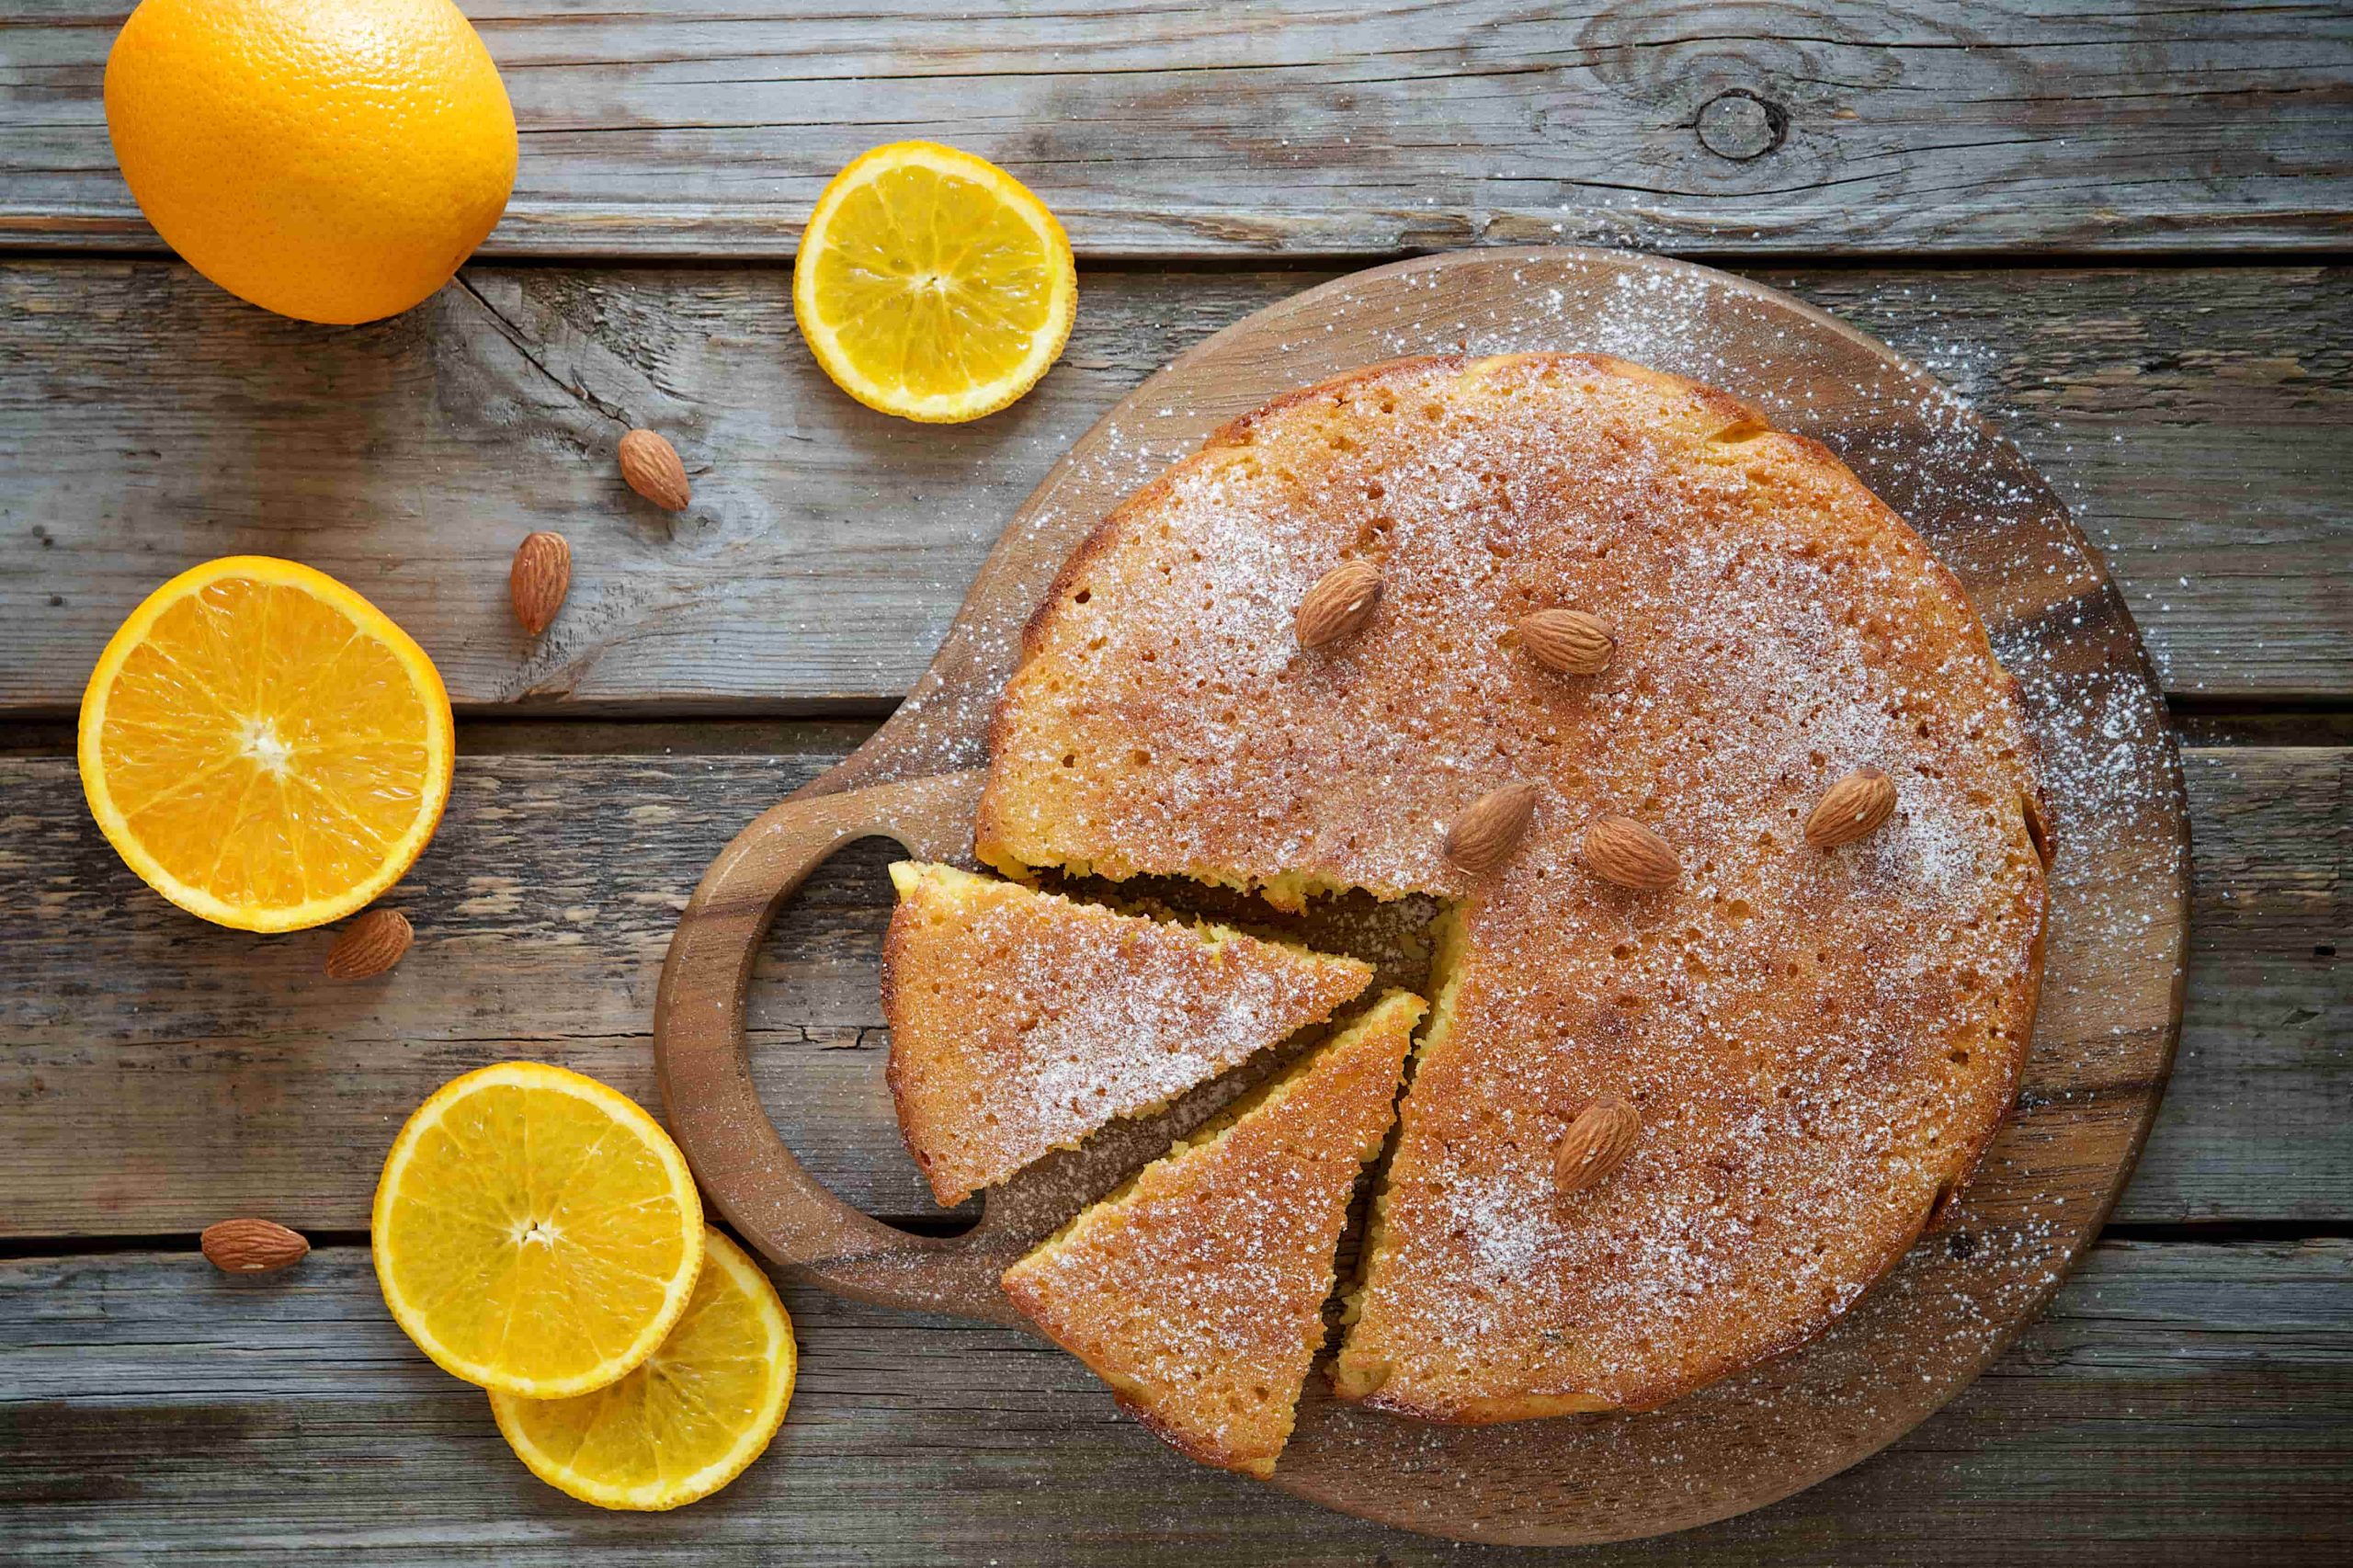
[1197, 1291]
[1022, 1022]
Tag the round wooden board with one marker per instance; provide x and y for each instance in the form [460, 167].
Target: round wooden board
[2111, 1001]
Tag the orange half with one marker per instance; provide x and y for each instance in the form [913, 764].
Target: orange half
[264, 746]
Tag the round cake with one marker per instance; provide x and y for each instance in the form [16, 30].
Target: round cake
[1731, 809]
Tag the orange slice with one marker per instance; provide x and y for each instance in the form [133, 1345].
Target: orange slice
[933, 285]
[263, 747]
[686, 1422]
[535, 1231]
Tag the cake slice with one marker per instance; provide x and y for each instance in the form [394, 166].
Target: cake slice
[1197, 1291]
[1022, 1022]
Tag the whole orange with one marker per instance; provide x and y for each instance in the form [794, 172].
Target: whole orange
[332, 160]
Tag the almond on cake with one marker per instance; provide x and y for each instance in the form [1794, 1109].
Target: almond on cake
[1197, 1291]
[1022, 1021]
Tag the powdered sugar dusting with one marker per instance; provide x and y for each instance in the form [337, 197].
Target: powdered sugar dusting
[2105, 752]
[1199, 1290]
[1022, 1022]
[1820, 1041]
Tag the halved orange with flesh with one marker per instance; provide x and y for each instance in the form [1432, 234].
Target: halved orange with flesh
[264, 746]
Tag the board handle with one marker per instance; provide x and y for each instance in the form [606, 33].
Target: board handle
[705, 1068]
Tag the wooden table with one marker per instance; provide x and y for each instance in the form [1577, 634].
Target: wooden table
[2117, 230]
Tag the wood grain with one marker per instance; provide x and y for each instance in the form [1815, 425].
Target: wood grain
[153, 1408]
[1871, 125]
[159, 1073]
[2191, 418]
[2179, 1401]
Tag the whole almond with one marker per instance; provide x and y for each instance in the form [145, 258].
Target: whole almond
[1568, 641]
[1486, 833]
[1850, 808]
[1595, 1144]
[539, 579]
[1340, 603]
[369, 945]
[252, 1246]
[652, 467]
[1622, 850]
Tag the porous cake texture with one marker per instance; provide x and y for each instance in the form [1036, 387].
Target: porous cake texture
[1197, 1291]
[1022, 1021]
[1819, 1042]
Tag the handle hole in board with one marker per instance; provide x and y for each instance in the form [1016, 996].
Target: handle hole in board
[813, 1022]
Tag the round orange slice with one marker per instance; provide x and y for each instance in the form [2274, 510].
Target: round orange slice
[933, 285]
[686, 1423]
[264, 746]
[535, 1231]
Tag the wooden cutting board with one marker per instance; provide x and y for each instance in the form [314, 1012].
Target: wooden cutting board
[2112, 1003]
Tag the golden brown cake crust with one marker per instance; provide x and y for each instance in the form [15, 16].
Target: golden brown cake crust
[1819, 1042]
[1020, 1021]
[1196, 1293]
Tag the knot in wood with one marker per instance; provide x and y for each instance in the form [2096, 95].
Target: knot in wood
[1738, 125]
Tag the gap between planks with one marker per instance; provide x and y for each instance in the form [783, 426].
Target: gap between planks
[578, 733]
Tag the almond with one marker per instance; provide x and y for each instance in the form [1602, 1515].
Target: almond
[1483, 837]
[1568, 641]
[1595, 1144]
[539, 579]
[1340, 603]
[1850, 808]
[252, 1246]
[369, 945]
[652, 467]
[1622, 850]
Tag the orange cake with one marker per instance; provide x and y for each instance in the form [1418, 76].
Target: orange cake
[1197, 1291]
[1732, 810]
[1020, 1021]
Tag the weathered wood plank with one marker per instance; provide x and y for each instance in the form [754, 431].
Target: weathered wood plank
[2176, 1399]
[2192, 418]
[2262, 1079]
[1877, 125]
[157, 1073]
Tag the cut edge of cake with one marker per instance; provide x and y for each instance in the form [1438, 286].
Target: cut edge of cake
[1385, 1029]
[1285, 893]
[1357, 1381]
[1357, 1377]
